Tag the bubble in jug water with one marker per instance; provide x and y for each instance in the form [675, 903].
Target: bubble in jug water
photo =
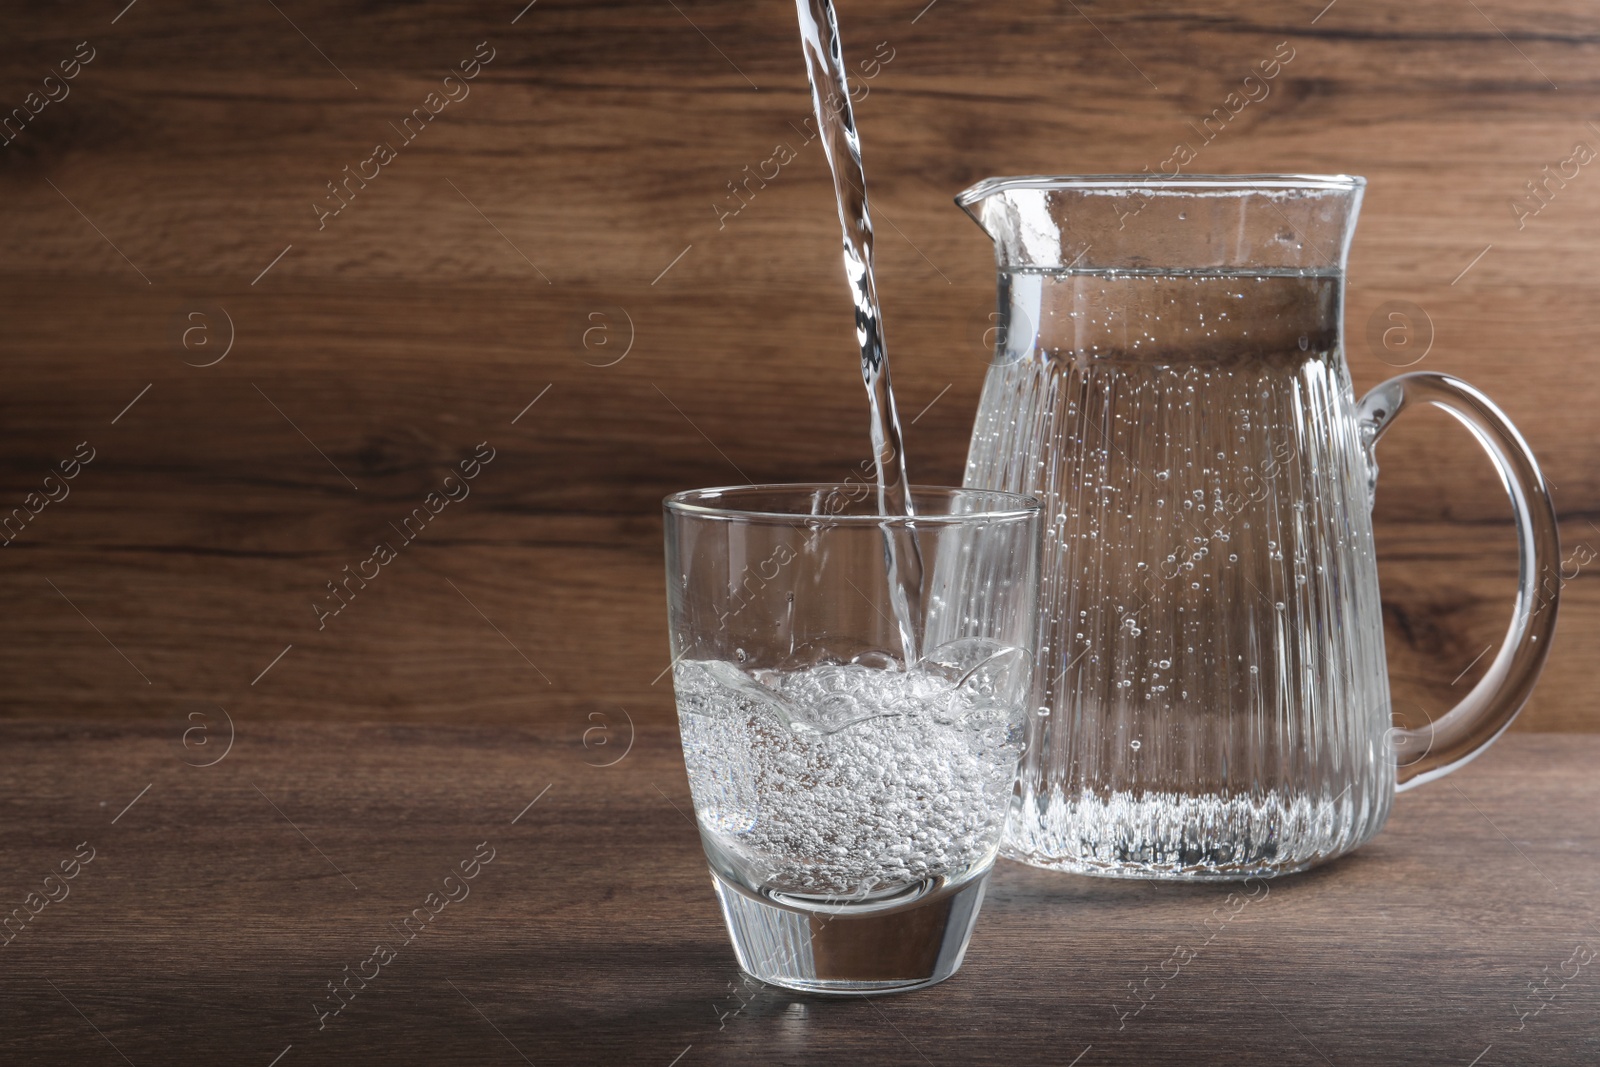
[1198, 418]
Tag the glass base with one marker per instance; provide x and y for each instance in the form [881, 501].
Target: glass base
[852, 948]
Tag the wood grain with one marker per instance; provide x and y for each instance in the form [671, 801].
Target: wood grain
[593, 149]
[219, 905]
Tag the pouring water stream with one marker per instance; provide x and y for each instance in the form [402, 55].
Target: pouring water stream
[830, 100]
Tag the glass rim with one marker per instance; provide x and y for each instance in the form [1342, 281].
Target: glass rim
[704, 503]
[1242, 183]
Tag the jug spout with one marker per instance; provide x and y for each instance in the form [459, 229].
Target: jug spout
[1015, 213]
[974, 200]
[1183, 222]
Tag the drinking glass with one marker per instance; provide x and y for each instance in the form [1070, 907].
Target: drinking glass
[850, 794]
[1171, 381]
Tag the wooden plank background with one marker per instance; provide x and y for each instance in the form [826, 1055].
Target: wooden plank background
[557, 235]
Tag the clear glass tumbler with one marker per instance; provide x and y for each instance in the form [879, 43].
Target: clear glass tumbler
[851, 803]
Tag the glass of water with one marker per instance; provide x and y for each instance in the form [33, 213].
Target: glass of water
[851, 692]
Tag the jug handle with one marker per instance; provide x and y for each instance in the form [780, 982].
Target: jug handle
[1483, 714]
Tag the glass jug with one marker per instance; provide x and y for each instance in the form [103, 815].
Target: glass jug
[1169, 379]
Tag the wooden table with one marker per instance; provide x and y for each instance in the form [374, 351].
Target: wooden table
[220, 902]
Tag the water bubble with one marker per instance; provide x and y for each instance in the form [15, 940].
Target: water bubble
[1134, 745]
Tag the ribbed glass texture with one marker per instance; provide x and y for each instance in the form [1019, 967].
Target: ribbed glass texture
[1210, 693]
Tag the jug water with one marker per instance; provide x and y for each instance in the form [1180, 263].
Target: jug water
[1210, 691]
